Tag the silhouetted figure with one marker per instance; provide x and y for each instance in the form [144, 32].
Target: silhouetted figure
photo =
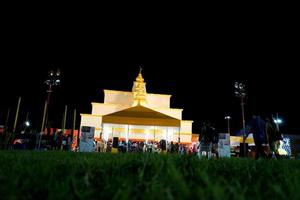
[215, 140]
[273, 137]
[172, 147]
[176, 147]
[206, 135]
[258, 129]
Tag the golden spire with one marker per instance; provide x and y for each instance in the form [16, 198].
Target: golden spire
[139, 90]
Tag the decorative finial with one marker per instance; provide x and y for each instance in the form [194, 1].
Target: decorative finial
[139, 90]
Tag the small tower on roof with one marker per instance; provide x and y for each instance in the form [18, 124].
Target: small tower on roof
[139, 90]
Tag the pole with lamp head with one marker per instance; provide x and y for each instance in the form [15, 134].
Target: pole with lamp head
[228, 123]
[240, 92]
[52, 80]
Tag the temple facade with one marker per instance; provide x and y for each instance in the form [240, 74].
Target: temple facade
[138, 116]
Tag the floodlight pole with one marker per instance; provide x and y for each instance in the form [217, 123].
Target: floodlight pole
[228, 124]
[42, 126]
[241, 93]
[244, 124]
[47, 108]
[7, 120]
[53, 79]
[64, 119]
[17, 114]
[74, 122]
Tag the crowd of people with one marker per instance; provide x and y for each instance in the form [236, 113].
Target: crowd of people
[265, 133]
[31, 141]
[143, 147]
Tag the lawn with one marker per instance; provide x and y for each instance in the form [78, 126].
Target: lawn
[63, 175]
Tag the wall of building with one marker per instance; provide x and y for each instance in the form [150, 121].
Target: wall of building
[158, 100]
[186, 126]
[184, 137]
[126, 99]
[118, 97]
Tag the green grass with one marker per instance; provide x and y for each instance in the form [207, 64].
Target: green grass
[61, 175]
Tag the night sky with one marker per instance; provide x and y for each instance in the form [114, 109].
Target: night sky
[198, 67]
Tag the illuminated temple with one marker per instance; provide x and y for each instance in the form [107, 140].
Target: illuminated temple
[138, 116]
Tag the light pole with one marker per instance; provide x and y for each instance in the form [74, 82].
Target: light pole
[240, 92]
[17, 114]
[228, 123]
[52, 80]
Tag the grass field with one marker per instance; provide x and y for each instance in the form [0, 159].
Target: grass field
[62, 175]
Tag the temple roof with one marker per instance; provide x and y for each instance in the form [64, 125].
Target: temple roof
[140, 115]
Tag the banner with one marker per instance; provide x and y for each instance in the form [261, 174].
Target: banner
[285, 146]
[74, 140]
[224, 145]
[86, 142]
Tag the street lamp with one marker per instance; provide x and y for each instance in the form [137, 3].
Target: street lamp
[240, 92]
[52, 80]
[228, 123]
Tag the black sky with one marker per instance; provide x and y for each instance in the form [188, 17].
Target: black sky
[196, 63]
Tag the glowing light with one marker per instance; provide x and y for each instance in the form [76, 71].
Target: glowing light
[278, 121]
[27, 123]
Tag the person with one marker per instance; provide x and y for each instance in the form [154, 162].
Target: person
[176, 147]
[258, 128]
[273, 137]
[163, 145]
[59, 140]
[172, 147]
[69, 143]
[154, 147]
[206, 139]
[98, 146]
[109, 146]
[215, 140]
[141, 147]
[104, 146]
[201, 139]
